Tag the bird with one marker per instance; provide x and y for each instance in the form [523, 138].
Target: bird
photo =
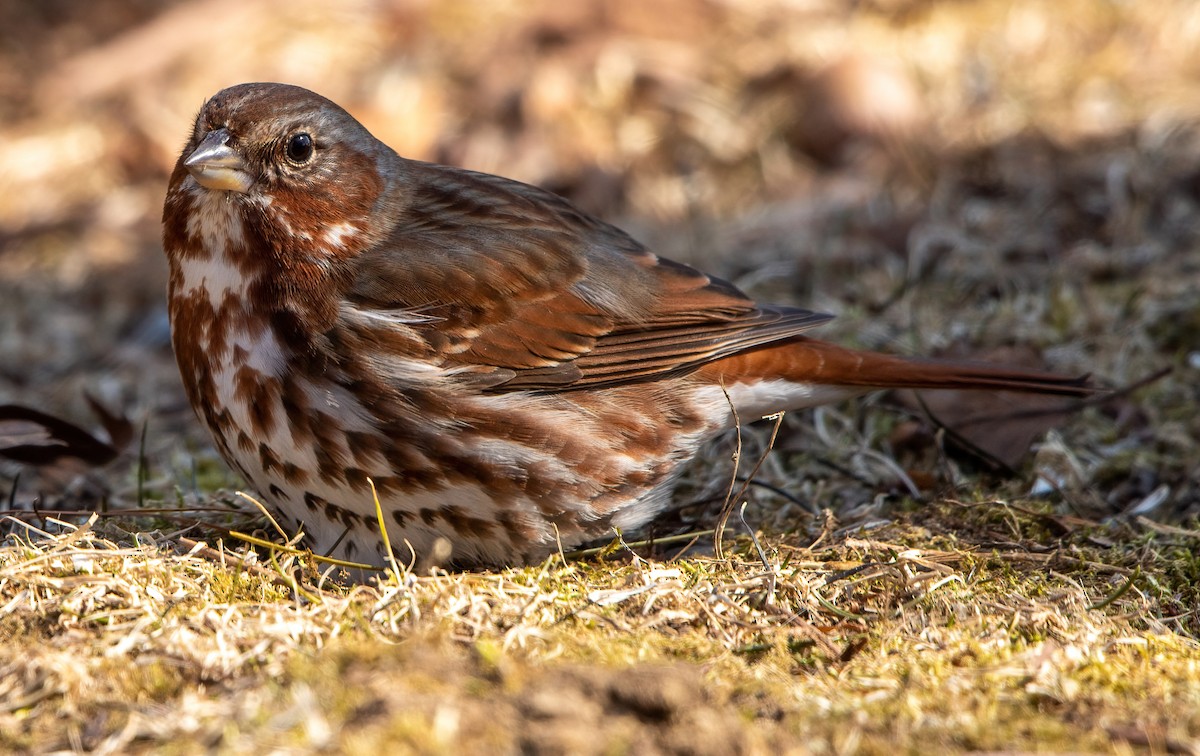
[504, 374]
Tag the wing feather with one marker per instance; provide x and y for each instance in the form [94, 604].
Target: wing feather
[514, 280]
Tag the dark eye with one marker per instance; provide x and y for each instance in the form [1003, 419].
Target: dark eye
[300, 148]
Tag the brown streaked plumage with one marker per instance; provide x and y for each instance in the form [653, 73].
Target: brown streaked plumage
[511, 373]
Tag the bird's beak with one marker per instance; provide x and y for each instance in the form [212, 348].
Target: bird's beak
[216, 165]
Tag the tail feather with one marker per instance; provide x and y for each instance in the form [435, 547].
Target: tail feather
[815, 362]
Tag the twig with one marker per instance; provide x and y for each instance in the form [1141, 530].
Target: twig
[266, 513]
[727, 507]
[387, 542]
[1137, 572]
[727, 510]
[762, 555]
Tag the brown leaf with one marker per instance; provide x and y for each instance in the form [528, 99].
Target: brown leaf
[118, 427]
[33, 437]
[995, 428]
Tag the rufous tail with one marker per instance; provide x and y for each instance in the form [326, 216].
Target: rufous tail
[810, 361]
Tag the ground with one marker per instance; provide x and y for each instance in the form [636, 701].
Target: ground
[997, 179]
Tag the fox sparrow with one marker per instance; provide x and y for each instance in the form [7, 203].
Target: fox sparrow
[510, 373]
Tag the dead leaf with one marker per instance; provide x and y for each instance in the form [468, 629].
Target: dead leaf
[996, 428]
[33, 437]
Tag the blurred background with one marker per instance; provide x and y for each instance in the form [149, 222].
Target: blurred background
[962, 176]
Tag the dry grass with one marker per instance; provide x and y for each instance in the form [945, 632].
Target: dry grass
[854, 643]
[966, 175]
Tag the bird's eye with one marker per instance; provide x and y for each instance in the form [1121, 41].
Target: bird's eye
[300, 148]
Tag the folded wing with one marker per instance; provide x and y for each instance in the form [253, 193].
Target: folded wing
[513, 281]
